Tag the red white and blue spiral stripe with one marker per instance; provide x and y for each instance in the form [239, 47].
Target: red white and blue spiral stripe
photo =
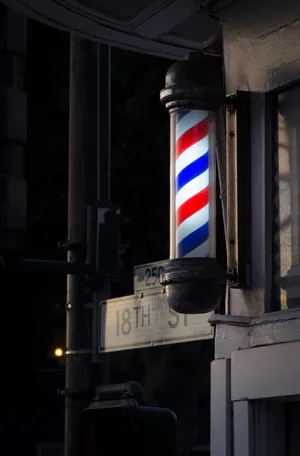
[192, 184]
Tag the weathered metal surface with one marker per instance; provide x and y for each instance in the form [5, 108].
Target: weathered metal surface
[166, 28]
[238, 180]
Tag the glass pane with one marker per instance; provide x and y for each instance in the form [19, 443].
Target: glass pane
[287, 199]
[279, 421]
[292, 429]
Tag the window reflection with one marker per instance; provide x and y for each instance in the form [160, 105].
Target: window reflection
[288, 199]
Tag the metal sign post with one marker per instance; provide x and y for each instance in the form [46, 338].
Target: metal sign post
[88, 183]
[82, 136]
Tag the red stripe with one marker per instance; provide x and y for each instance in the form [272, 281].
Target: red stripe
[192, 205]
[191, 136]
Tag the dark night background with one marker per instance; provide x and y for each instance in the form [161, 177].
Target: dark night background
[140, 186]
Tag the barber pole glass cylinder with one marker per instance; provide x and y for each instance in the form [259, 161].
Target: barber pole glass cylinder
[192, 195]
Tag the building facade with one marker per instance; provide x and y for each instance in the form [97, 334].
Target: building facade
[256, 372]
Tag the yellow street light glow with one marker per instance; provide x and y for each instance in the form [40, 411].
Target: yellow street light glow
[58, 352]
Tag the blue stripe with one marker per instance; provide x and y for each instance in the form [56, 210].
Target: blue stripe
[192, 241]
[193, 170]
[181, 114]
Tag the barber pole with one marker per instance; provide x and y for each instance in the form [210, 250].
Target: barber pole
[193, 93]
[191, 185]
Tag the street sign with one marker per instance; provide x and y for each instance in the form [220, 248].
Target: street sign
[146, 276]
[146, 320]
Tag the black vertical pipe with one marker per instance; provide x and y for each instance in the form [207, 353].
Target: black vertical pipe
[89, 181]
[13, 128]
[82, 192]
[18, 317]
[104, 119]
[103, 178]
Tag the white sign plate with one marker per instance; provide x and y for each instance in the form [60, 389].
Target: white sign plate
[146, 276]
[137, 322]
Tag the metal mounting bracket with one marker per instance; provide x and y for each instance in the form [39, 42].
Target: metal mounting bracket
[238, 170]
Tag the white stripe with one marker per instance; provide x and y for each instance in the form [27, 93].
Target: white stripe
[191, 154]
[192, 188]
[192, 223]
[188, 121]
[200, 251]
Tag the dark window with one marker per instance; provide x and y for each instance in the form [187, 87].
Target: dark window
[287, 200]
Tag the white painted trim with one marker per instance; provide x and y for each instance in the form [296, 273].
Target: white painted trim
[220, 440]
[243, 429]
[266, 372]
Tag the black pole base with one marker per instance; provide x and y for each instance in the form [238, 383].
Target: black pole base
[193, 285]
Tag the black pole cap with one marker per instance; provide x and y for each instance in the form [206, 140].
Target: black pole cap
[194, 83]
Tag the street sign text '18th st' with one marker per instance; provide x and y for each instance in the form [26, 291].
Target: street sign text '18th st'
[145, 320]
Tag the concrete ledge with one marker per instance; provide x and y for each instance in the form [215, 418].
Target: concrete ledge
[231, 320]
[234, 333]
[275, 329]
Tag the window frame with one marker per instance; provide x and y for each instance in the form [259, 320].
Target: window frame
[272, 295]
[259, 406]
